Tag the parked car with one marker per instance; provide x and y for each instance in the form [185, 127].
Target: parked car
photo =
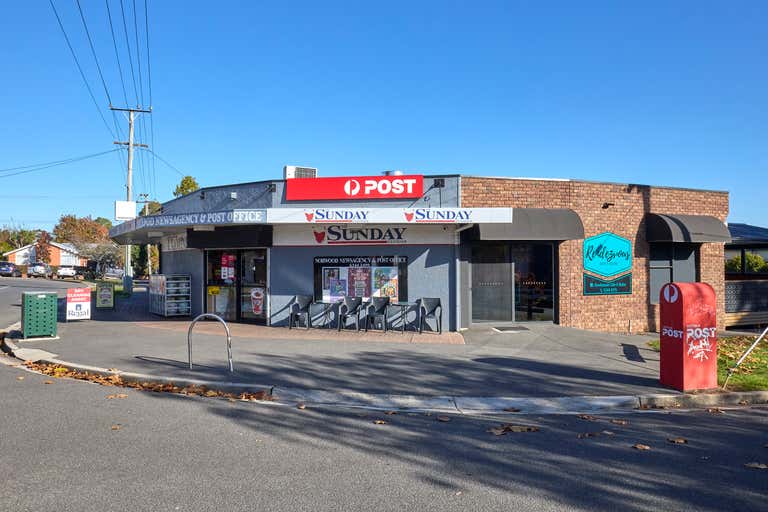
[66, 271]
[40, 270]
[113, 273]
[9, 269]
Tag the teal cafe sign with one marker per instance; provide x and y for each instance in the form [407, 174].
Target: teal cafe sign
[607, 255]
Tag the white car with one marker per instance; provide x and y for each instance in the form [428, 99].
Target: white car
[66, 272]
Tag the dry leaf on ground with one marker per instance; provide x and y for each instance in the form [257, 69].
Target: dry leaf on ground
[743, 402]
[620, 422]
[756, 465]
[714, 410]
[444, 419]
[390, 413]
[608, 433]
[677, 440]
[301, 406]
[48, 382]
[588, 434]
[116, 427]
[511, 409]
[508, 427]
[20, 378]
[587, 417]
[110, 397]
[639, 446]
[379, 422]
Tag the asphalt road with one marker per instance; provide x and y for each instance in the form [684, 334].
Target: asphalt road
[60, 452]
[11, 289]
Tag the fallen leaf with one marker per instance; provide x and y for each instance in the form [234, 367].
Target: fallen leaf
[390, 413]
[211, 393]
[756, 465]
[619, 422]
[115, 427]
[112, 370]
[714, 410]
[511, 409]
[508, 427]
[588, 434]
[301, 406]
[48, 382]
[379, 422]
[110, 397]
[587, 417]
[641, 447]
[19, 378]
[677, 440]
[444, 419]
[458, 493]
[121, 395]
[743, 402]
[608, 433]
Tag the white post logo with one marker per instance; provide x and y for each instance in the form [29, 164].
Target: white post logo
[352, 187]
[671, 293]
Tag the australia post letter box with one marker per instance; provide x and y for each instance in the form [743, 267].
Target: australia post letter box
[688, 336]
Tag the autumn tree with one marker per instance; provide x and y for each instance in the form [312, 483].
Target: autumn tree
[104, 222]
[43, 247]
[79, 230]
[187, 185]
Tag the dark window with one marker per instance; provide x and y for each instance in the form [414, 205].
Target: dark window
[671, 262]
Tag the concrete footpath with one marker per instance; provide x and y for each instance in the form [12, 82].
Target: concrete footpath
[541, 368]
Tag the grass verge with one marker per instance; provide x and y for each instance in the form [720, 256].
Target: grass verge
[752, 375]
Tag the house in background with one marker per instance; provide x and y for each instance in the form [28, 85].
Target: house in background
[746, 276]
[61, 254]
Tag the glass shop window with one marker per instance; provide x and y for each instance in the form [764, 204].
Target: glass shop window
[337, 277]
[671, 262]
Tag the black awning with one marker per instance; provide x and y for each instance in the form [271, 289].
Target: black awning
[662, 227]
[534, 224]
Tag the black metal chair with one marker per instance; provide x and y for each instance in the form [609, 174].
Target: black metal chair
[350, 308]
[377, 309]
[430, 308]
[299, 308]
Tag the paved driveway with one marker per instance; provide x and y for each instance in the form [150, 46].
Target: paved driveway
[541, 361]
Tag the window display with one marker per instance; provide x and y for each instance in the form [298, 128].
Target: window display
[337, 277]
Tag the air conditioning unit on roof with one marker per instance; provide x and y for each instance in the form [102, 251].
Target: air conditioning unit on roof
[293, 171]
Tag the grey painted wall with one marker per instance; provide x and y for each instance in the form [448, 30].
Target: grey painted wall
[187, 262]
[431, 273]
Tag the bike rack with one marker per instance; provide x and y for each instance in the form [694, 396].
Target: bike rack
[229, 338]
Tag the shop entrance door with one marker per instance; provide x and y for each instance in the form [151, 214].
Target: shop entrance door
[493, 284]
[236, 284]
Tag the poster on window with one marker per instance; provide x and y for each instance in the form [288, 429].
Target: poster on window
[337, 289]
[385, 282]
[359, 279]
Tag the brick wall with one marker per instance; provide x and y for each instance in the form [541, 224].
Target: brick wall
[625, 218]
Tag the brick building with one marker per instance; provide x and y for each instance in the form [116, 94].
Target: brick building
[493, 250]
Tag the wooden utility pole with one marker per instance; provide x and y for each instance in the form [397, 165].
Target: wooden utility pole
[128, 268]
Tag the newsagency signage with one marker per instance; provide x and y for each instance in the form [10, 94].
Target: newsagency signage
[369, 234]
[356, 187]
[607, 259]
[388, 215]
[192, 219]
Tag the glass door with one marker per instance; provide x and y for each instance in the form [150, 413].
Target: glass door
[221, 284]
[253, 285]
[492, 284]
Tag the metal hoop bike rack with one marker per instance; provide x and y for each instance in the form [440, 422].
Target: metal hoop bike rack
[229, 338]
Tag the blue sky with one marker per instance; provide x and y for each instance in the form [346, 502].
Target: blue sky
[662, 93]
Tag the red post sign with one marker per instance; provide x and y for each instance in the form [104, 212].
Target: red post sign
[688, 336]
[357, 187]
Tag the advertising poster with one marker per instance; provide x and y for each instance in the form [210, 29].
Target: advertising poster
[328, 274]
[78, 304]
[385, 282]
[338, 289]
[257, 301]
[105, 296]
[359, 282]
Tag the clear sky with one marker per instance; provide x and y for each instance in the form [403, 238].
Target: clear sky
[658, 92]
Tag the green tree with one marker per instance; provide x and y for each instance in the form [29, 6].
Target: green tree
[187, 185]
[755, 263]
[104, 222]
[150, 208]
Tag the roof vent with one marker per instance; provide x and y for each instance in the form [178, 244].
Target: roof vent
[293, 171]
[393, 173]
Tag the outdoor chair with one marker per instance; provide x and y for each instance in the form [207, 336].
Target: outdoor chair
[430, 308]
[299, 308]
[351, 308]
[377, 309]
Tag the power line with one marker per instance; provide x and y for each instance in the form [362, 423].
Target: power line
[93, 51]
[80, 69]
[167, 163]
[60, 162]
[130, 57]
[138, 52]
[117, 54]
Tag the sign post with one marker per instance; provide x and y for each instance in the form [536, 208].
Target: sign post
[688, 358]
[78, 304]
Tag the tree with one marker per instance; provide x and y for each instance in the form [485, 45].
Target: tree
[150, 208]
[104, 222]
[43, 247]
[755, 263]
[80, 230]
[187, 186]
[13, 237]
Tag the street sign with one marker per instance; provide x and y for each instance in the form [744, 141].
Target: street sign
[78, 304]
[105, 296]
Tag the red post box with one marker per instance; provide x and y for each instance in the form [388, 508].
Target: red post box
[688, 336]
